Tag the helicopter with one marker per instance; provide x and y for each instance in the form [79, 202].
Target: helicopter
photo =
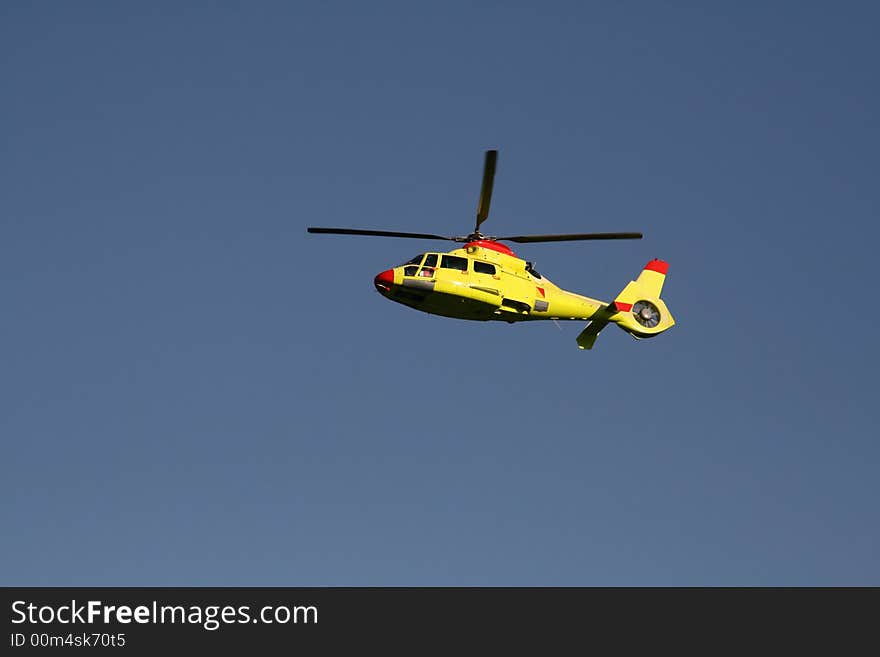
[485, 280]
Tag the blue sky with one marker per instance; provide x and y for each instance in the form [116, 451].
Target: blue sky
[196, 392]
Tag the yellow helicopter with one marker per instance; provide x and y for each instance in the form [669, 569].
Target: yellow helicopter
[484, 280]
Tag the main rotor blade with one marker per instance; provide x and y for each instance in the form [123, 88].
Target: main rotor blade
[526, 239]
[486, 190]
[376, 233]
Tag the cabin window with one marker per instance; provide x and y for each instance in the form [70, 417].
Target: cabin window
[431, 260]
[454, 262]
[481, 267]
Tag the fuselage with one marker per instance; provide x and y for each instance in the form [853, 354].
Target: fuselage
[483, 280]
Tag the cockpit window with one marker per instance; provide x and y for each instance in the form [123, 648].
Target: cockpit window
[429, 266]
[410, 270]
[454, 262]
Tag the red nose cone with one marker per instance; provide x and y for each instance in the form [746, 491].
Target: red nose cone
[384, 281]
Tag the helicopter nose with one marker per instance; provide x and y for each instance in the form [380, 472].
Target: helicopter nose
[384, 281]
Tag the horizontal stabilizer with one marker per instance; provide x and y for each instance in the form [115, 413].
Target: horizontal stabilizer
[587, 337]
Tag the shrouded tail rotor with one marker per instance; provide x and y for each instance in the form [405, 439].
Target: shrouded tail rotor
[646, 313]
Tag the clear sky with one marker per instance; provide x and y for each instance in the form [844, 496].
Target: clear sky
[193, 391]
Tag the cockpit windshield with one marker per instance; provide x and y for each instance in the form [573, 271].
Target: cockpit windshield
[411, 268]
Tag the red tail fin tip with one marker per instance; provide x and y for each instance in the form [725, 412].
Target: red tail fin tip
[659, 266]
